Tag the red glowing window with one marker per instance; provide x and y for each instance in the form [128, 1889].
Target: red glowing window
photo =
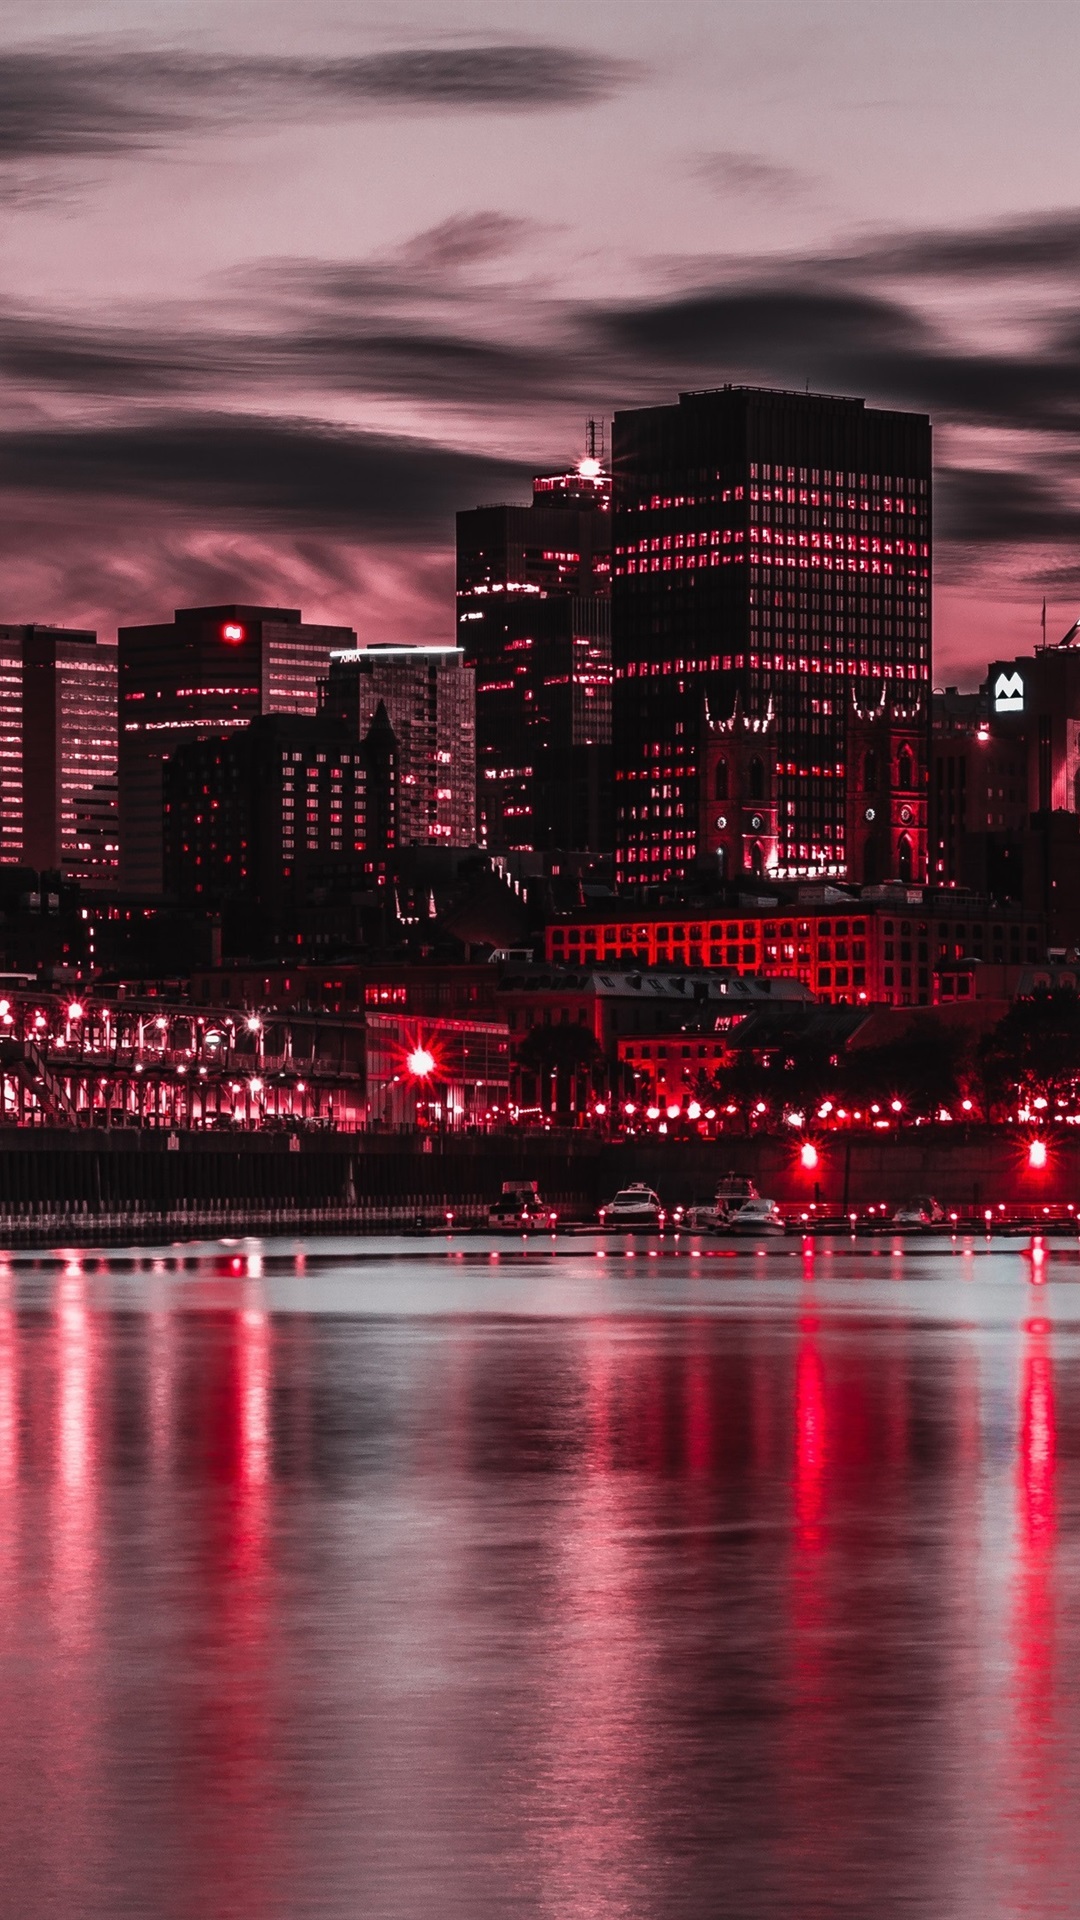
[231, 631]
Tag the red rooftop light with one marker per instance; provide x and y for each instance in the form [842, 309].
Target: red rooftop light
[230, 631]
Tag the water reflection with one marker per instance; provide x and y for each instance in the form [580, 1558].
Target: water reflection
[539, 1602]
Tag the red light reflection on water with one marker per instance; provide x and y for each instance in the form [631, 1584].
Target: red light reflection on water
[9, 1387]
[230, 1788]
[810, 1440]
[74, 1530]
[1037, 1764]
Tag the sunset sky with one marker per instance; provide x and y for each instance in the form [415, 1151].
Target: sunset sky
[284, 286]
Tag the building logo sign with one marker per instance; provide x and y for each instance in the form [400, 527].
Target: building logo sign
[1008, 693]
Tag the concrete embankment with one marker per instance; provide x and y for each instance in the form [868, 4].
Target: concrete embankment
[233, 1182]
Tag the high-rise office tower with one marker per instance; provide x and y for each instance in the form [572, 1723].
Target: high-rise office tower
[430, 697]
[211, 669]
[58, 752]
[771, 561]
[534, 618]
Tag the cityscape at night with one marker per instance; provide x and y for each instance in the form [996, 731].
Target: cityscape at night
[539, 962]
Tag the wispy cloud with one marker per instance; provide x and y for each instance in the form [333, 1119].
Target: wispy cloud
[248, 471]
[749, 175]
[93, 100]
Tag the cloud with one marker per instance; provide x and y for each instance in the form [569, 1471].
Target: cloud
[778, 323]
[90, 100]
[239, 469]
[494, 76]
[798, 330]
[1044, 244]
[749, 174]
[350, 352]
[1002, 507]
[465, 241]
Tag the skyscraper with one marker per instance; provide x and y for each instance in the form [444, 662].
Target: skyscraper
[533, 608]
[58, 752]
[771, 562]
[212, 669]
[430, 697]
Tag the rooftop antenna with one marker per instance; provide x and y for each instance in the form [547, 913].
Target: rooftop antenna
[590, 465]
[1044, 620]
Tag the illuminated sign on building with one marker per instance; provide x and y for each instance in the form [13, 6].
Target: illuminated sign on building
[1008, 693]
[232, 632]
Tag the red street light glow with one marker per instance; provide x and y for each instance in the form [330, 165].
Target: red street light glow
[75, 1011]
[421, 1063]
[1037, 1153]
[808, 1155]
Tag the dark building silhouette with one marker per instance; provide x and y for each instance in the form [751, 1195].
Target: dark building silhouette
[281, 812]
[771, 550]
[1005, 786]
[210, 669]
[534, 618]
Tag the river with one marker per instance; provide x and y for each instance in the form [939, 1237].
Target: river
[452, 1579]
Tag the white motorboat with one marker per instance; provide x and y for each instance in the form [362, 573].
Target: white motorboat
[757, 1216]
[922, 1211]
[634, 1206]
[520, 1207]
[732, 1192]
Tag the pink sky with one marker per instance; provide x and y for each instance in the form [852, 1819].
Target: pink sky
[286, 286]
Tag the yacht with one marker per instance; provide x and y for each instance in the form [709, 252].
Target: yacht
[922, 1211]
[756, 1216]
[733, 1190]
[636, 1206]
[520, 1207]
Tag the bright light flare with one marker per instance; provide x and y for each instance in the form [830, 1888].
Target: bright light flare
[421, 1063]
[75, 1010]
[1037, 1153]
[808, 1155]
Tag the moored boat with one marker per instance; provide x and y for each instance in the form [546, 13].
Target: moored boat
[519, 1208]
[633, 1206]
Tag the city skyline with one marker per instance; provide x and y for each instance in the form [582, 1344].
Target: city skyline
[284, 302]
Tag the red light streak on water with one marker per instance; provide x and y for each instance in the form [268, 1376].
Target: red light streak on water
[592, 1730]
[810, 1681]
[1037, 1763]
[230, 1740]
[74, 1565]
[9, 1390]
[699, 1404]
[74, 1525]
[810, 1441]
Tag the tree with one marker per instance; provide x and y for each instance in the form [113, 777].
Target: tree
[561, 1056]
[1034, 1051]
